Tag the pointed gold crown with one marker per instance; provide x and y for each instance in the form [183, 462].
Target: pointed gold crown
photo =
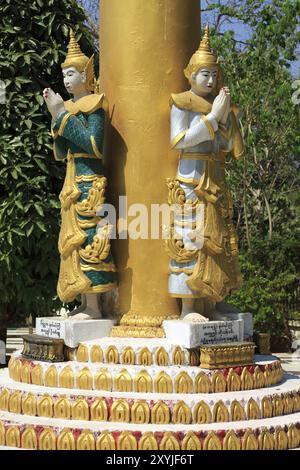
[204, 56]
[76, 58]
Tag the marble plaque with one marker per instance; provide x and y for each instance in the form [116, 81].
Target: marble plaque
[192, 335]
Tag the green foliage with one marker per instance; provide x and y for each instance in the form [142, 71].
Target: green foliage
[265, 184]
[33, 44]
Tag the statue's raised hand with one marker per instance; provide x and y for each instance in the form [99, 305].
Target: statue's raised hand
[220, 105]
[54, 102]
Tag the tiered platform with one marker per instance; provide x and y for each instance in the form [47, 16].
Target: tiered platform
[130, 394]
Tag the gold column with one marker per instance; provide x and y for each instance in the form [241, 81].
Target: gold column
[144, 47]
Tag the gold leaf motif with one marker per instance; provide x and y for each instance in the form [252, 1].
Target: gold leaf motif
[296, 398]
[15, 402]
[29, 405]
[29, 439]
[62, 409]
[25, 373]
[4, 400]
[163, 383]
[249, 441]
[160, 413]
[47, 440]
[246, 380]
[45, 407]
[267, 409]
[37, 375]
[123, 381]
[218, 382]
[183, 383]
[176, 193]
[127, 441]
[82, 353]
[288, 404]
[103, 380]
[237, 411]
[16, 370]
[99, 249]
[278, 407]
[144, 357]
[112, 355]
[191, 442]
[253, 411]
[293, 435]
[120, 411]
[259, 379]
[84, 379]
[231, 441]
[202, 414]
[140, 412]
[105, 441]
[148, 442]
[169, 442]
[66, 441]
[181, 413]
[212, 442]
[194, 357]
[143, 382]
[266, 440]
[96, 197]
[13, 438]
[11, 366]
[281, 439]
[176, 250]
[96, 354]
[268, 377]
[66, 378]
[202, 383]
[99, 410]
[161, 357]
[178, 356]
[80, 410]
[128, 356]
[51, 377]
[86, 441]
[220, 413]
[2, 434]
[233, 381]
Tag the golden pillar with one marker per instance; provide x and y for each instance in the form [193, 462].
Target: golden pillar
[144, 47]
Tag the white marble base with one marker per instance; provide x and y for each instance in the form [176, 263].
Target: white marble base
[192, 335]
[73, 331]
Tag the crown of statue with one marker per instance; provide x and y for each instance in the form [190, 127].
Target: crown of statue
[204, 56]
[76, 58]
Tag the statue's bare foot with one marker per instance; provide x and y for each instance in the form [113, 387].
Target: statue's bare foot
[76, 311]
[194, 318]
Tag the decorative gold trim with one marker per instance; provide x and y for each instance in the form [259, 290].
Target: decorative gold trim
[85, 155]
[105, 267]
[178, 138]
[219, 356]
[101, 288]
[88, 178]
[95, 148]
[209, 126]
[63, 124]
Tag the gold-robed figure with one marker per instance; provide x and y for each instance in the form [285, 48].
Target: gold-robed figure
[204, 129]
[86, 267]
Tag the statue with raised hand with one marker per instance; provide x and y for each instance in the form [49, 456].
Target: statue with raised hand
[86, 267]
[204, 129]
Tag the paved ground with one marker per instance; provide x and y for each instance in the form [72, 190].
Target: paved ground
[290, 361]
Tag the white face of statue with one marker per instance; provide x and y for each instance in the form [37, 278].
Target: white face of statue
[74, 81]
[204, 81]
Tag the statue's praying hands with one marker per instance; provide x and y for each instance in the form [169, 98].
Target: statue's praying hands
[221, 106]
[54, 102]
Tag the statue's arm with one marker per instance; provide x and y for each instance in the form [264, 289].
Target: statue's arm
[89, 139]
[183, 136]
